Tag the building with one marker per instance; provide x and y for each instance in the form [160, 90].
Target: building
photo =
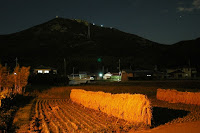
[143, 74]
[115, 77]
[77, 76]
[182, 73]
[127, 74]
[44, 70]
[107, 75]
[80, 78]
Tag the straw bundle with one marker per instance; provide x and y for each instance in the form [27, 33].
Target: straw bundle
[130, 107]
[174, 96]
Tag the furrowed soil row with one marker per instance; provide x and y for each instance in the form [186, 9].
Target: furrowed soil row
[62, 115]
[55, 118]
[100, 119]
[72, 125]
[81, 122]
[94, 120]
[50, 119]
[59, 115]
[62, 123]
[43, 124]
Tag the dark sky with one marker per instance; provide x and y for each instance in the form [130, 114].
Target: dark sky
[163, 21]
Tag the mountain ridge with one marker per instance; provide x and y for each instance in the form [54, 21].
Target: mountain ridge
[64, 38]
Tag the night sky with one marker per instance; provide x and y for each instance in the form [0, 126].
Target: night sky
[162, 21]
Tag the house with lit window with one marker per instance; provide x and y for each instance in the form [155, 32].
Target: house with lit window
[44, 70]
[182, 73]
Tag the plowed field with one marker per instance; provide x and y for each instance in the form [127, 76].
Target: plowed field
[62, 115]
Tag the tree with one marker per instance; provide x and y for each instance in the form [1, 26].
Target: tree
[20, 78]
[3, 74]
[24, 74]
[6, 83]
[0, 76]
[16, 75]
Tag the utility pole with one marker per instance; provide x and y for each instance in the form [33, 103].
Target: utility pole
[189, 63]
[119, 69]
[119, 65]
[16, 62]
[73, 72]
[88, 31]
[103, 69]
[64, 67]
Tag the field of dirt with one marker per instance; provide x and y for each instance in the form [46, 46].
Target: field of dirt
[53, 111]
[62, 115]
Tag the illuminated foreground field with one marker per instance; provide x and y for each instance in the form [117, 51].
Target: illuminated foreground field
[53, 111]
[62, 115]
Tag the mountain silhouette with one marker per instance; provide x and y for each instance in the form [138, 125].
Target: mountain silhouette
[82, 43]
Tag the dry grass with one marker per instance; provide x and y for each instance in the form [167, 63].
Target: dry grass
[130, 107]
[55, 92]
[22, 117]
[174, 96]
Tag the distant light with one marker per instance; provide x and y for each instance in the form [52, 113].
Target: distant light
[56, 16]
[100, 75]
[46, 71]
[101, 25]
[39, 71]
[110, 27]
[93, 23]
[15, 73]
[99, 60]
[148, 75]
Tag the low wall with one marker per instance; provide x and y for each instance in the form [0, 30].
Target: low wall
[174, 96]
[130, 107]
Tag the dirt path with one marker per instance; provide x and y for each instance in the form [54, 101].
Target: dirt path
[22, 118]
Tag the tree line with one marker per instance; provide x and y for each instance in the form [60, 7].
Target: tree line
[13, 82]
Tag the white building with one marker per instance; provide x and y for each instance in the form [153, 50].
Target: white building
[44, 70]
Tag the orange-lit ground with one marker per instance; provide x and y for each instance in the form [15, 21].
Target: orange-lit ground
[61, 115]
[189, 127]
[55, 112]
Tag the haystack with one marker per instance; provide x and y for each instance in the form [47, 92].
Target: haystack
[174, 96]
[131, 107]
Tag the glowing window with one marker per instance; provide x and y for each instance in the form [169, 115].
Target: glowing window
[46, 71]
[39, 71]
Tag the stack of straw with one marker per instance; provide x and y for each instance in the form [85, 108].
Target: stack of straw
[174, 96]
[130, 107]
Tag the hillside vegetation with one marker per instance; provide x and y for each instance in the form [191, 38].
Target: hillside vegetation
[49, 43]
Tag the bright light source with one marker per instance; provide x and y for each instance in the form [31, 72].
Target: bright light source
[148, 75]
[39, 71]
[100, 75]
[46, 71]
[15, 73]
[93, 23]
[101, 25]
